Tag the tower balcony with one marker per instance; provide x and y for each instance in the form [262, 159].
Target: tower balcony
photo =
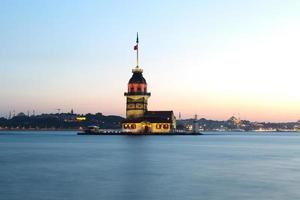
[137, 93]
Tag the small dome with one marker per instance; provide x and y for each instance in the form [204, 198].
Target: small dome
[137, 77]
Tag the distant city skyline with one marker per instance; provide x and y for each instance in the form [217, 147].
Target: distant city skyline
[214, 59]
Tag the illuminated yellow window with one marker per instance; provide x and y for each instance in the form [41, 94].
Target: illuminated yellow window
[80, 118]
[133, 126]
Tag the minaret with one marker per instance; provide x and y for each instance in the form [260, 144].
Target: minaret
[137, 95]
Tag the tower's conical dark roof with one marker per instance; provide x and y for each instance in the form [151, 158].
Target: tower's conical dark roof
[137, 77]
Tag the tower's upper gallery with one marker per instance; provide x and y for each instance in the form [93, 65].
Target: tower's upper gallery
[137, 83]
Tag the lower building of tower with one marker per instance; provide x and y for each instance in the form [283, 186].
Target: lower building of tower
[151, 122]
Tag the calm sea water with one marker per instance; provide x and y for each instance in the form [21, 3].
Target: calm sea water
[62, 165]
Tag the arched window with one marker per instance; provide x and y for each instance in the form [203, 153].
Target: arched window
[165, 126]
[133, 126]
[158, 126]
[130, 87]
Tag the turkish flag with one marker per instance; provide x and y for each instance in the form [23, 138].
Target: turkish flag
[136, 47]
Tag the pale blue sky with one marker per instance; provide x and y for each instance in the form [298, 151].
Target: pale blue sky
[213, 58]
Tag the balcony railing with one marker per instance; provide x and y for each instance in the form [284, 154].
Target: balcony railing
[137, 93]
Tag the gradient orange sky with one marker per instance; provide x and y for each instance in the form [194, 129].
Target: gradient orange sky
[214, 59]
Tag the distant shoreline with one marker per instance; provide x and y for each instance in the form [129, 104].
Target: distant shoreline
[40, 129]
[80, 130]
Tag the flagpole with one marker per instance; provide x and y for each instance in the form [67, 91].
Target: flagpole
[137, 51]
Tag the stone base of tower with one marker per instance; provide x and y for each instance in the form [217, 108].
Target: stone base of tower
[147, 127]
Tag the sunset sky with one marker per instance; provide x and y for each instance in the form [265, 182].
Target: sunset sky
[211, 58]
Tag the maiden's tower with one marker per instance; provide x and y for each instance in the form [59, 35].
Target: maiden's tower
[138, 119]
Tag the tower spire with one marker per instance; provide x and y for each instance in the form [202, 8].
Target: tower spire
[136, 48]
[137, 51]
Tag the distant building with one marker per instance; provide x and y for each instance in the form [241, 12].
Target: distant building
[80, 118]
[234, 121]
[21, 114]
[138, 118]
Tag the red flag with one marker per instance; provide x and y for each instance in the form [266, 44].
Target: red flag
[136, 47]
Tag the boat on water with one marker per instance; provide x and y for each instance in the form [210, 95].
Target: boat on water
[92, 130]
